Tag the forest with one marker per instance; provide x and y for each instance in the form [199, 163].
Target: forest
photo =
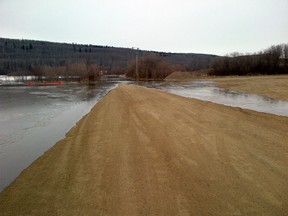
[49, 59]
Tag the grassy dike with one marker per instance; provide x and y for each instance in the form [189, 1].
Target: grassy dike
[147, 152]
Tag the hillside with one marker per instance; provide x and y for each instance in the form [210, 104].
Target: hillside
[24, 55]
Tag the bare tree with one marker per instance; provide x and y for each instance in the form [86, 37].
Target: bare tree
[151, 67]
[285, 55]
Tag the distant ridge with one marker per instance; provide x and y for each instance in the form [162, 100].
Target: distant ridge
[25, 55]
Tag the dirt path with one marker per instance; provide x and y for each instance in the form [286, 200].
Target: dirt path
[275, 87]
[146, 152]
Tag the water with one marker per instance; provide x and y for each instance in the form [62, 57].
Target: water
[208, 91]
[33, 119]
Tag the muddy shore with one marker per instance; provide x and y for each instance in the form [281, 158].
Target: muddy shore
[147, 152]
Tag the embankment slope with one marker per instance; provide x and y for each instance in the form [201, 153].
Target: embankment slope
[146, 152]
[188, 76]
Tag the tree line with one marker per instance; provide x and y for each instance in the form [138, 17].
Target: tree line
[273, 60]
[81, 71]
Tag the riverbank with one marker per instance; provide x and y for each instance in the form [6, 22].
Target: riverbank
[145, 151]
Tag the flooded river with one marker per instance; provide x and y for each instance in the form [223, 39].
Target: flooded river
[33, 119]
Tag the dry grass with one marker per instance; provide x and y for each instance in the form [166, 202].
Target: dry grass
[275, 87]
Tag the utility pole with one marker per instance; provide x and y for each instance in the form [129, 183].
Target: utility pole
[137, 65]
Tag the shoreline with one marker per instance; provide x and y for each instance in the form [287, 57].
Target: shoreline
[146, 151]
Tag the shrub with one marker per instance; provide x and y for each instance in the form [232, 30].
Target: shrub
[150, 67]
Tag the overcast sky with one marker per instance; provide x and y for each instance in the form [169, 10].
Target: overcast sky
[196, 26]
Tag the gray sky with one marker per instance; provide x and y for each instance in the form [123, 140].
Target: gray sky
[198, 26]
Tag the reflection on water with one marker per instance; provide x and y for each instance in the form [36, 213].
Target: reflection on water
[206, 90]
[32, 119]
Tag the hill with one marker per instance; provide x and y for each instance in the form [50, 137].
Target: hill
[22, 56]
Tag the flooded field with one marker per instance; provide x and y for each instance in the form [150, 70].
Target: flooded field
[32, 119]
[208, 91]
